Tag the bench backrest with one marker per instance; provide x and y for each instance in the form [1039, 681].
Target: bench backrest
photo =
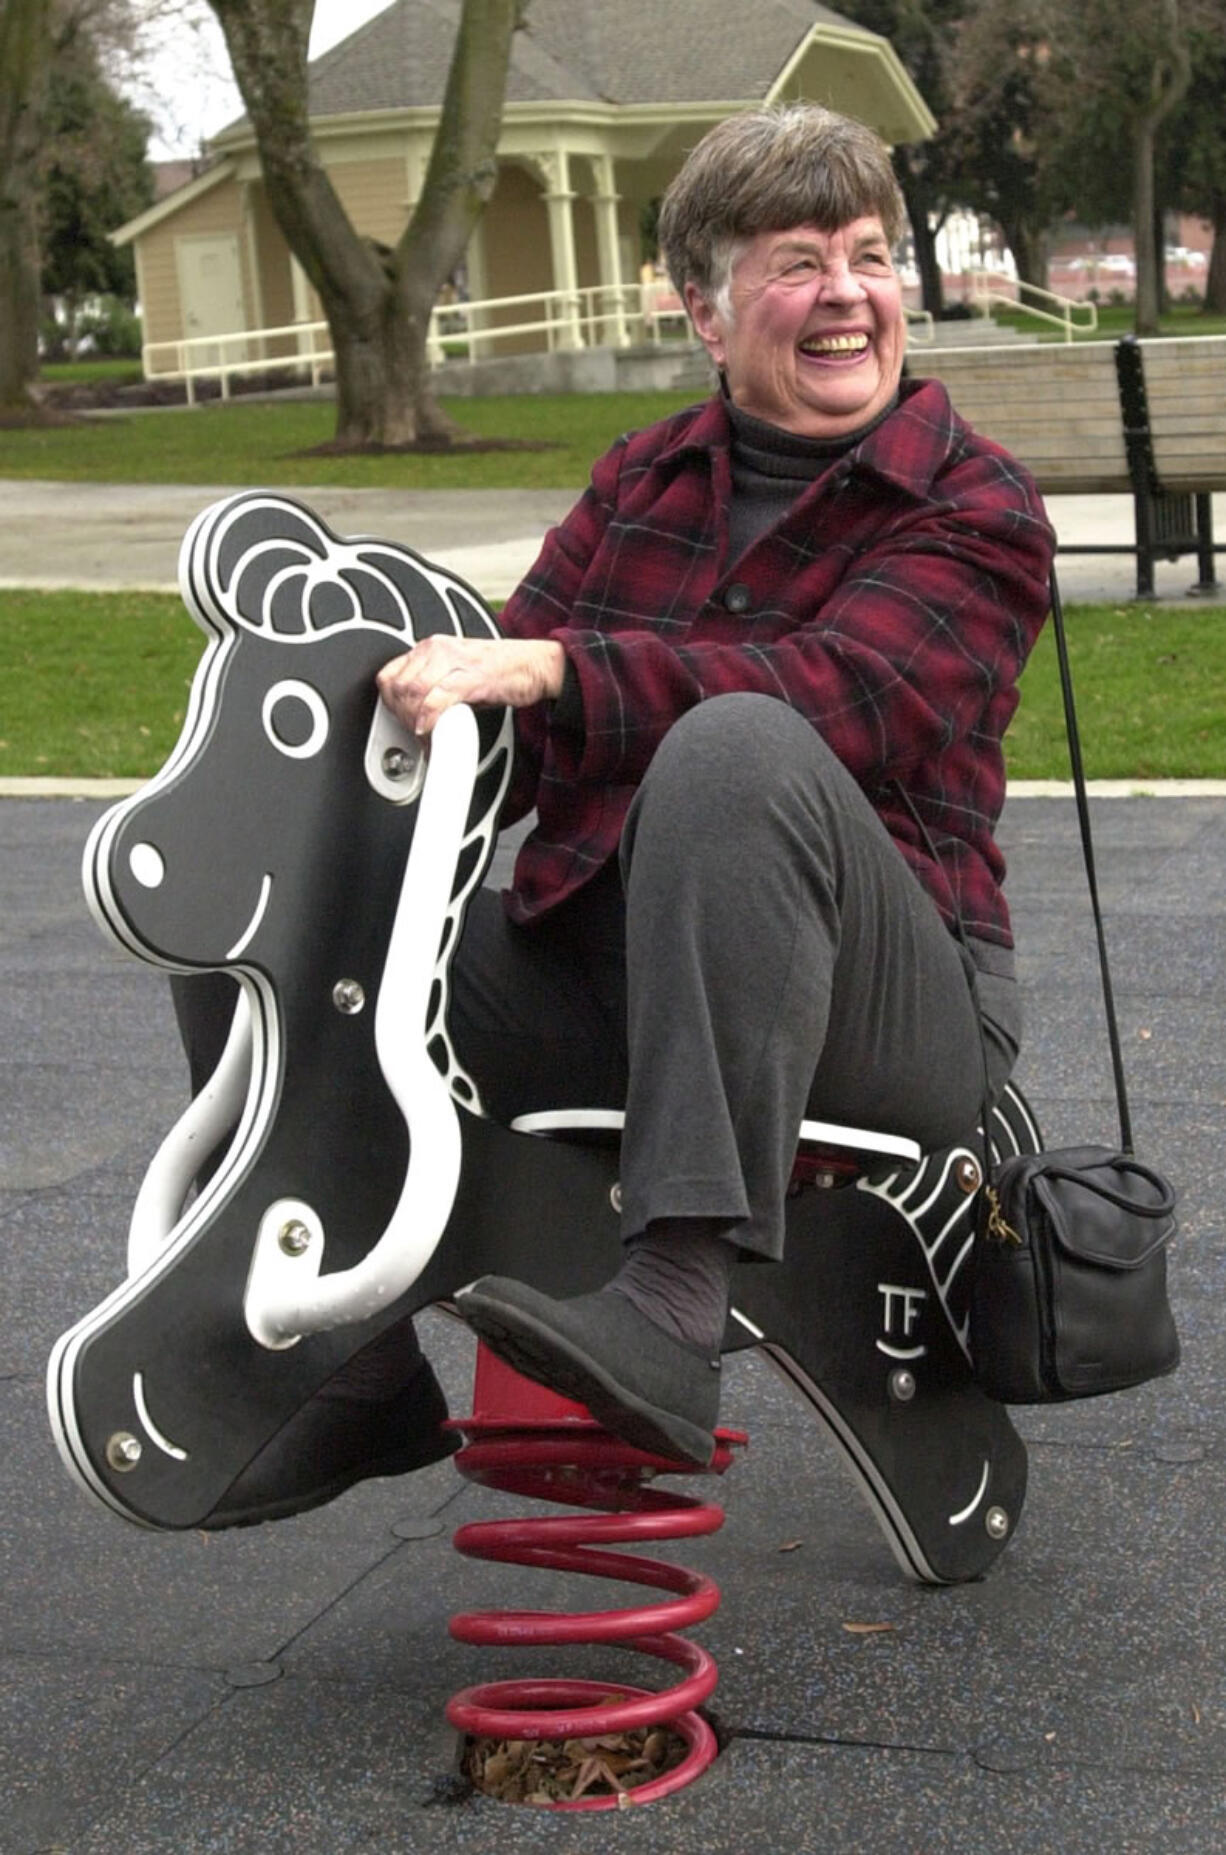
[1056, 408]
[1185, 387]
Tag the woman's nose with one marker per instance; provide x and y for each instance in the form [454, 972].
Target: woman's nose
[838, 283]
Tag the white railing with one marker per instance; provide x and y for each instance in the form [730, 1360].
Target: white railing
[598, 316]
[228, 357]
[990, 287]
[921, 326]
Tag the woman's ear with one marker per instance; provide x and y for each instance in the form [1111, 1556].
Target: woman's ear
[708, 323]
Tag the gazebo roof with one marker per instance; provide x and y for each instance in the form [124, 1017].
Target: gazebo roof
[655, 75]
[631, 53]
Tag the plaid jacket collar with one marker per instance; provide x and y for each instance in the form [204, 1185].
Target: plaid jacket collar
[907, 449]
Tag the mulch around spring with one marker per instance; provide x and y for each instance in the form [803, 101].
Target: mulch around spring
[550, 1772]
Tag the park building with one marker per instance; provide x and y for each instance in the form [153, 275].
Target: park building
[602, 105]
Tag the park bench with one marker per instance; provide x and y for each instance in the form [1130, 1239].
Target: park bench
[1143, 417]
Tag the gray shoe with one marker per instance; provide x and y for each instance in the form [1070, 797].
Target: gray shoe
[648, 1388]
[333, 1443]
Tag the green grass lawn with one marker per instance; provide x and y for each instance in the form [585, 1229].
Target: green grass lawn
[96, 685]
[262, 443]
[1116, 320]
[92, 684]
[76, 373]
[1150, 687]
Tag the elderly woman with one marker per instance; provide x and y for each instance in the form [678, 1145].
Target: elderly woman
[763, 670]
[762, 673]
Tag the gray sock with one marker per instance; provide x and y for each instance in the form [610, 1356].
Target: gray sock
[679, 1275]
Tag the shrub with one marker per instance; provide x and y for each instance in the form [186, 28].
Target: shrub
[111, 330]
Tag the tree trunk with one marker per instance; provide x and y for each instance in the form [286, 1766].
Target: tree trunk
[916, 196]
[377, 302]
[1170, 80]
[24, 56]
[1215, 281]
[1148, 303]
[1164, 300]
[1028, 243]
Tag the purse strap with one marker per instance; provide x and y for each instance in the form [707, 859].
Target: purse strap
[1087, 851]
[1126, 1167]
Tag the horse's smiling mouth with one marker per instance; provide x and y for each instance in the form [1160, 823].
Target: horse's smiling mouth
[148, 866]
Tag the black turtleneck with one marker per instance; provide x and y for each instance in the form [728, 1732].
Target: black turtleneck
[772, 467]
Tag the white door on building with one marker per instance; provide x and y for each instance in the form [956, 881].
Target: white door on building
[211, 293]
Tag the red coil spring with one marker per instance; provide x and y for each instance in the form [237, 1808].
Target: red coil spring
[527, 1441]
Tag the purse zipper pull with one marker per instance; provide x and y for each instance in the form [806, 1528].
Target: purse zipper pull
[997, 1226]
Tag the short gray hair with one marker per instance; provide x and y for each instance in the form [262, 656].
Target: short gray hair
[766, 170]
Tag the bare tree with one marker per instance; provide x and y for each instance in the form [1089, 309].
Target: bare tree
[377, 302]
[34, 34]
[1113, 72]
[1169, 77]
[25, 46]
[996, 127]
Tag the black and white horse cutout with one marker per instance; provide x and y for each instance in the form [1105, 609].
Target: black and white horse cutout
[300, 840]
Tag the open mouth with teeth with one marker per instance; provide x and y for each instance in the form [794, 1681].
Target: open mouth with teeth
[835, 347]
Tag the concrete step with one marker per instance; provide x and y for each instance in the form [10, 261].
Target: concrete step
[974, 332]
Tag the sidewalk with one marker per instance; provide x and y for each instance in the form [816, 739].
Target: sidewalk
[102, 536]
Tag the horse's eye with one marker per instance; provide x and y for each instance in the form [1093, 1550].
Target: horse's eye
[295, 719]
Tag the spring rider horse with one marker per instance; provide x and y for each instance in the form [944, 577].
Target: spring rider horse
[301, 840]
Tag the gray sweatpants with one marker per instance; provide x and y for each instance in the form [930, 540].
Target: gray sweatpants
[767, 955]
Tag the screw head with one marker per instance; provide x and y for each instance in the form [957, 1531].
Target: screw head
[123, 1451]
[903, 1386]
[349, 996]
[294, 1238]
[996, 1520]
[968, 1174]
[396, 763]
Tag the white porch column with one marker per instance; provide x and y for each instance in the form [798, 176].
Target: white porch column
[253, 265]
[559, 202]
[605, 202]
[416, 159]
[304, 313]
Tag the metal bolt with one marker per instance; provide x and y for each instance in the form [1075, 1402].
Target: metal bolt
[294, 1237]
[996, 1520]
[348, 996]
[123, 1451]
[396, 763]
[615, 1197]
[967, 1174]
[903, 1386]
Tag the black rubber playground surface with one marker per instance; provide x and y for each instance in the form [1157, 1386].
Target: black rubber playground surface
[283, 1689]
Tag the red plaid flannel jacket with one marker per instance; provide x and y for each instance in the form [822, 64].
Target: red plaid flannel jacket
[893, 605]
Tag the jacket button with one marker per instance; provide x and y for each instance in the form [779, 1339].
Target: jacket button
[738, 598]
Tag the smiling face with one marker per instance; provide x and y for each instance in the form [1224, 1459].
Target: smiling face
[815, 336]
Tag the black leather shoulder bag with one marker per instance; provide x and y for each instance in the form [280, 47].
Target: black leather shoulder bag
[1069, 1291]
